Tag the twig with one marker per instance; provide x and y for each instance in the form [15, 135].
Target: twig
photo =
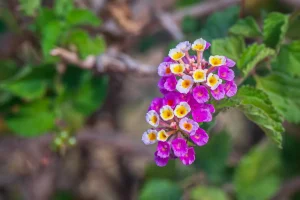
[111, 61]
[170, 25]
[288, 189]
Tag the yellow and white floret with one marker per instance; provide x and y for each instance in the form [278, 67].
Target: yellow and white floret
[152, 118]
[149, 136]
[199, 45]
[213, 81]
[182, 109]
[162, 135]
[177, 68]
[216, 61]
[199, 75]
[176, 54]
[166, 113]
[185, 84]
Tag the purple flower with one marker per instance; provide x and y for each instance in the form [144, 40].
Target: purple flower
[161, 162]
[188, 125]
[170, 83]
[164, 69]
[163, 149]
[167, 59]
[171, 99]
[229, 63]
[226, 73]
[179, 147]
[210, 107]
[207, 45]
[200, 137]
[230, 88]
[167, 83]
[219, 92]
[156, 104]
[200, 94]
[201, 115]
[189, 157]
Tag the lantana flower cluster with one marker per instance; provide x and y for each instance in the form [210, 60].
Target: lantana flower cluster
[188, 84]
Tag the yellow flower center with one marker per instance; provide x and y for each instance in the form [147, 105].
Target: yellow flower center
[216, 61]
[177, 69]
[154, 119]
[162, 135]
[213, 80]
[188, 126]
[198, 47]
[180, 111]
[177, 55]
[167, 114]
[186, 83]
[198, 75]
[151, 136]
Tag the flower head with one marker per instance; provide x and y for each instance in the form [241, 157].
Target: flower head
[184, 46]
[213, 81]
[200, 137]
[216, 61]
[162, 135]
[179, 147]
[163, 149]
[199, 75]
[225, 73]
[164, 69]
[177, 68]
[200, 45]
[200, 94]
[188, 125]
[185, 84]
[149, 137]
[152, 118]
[166, 113]
[176, 54]
[189, 157]
[182, 109]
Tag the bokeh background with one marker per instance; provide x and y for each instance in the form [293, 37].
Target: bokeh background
[76, 79]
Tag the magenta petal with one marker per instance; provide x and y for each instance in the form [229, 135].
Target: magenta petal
[200, 94]
[226, 73]
[219, 92]
[229, 63]
[179, 147]
[168, 59]
[156, 104]
[171, 99]
[200, 137]
[170, 83]
[201, 115]
[161, 162]
[189, 157]
[164, 69]
[163, 149]
[230, 88]
[207, 45]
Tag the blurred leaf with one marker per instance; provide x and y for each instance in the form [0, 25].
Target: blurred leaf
[160, 189]
[32, 84]
[217, 24]
[183, 3]
[8, 69]
[275, 28]
[252, 56]
[288, 59]
[29, 6]
[284, 93]
[290, 155]
[63, 195]
[246, 27]
[32, 119]
[207, 193]
[212, 157]
[63, 7]
[257, 107]
[50, 36]
[231, 47]
[168, 172]
[82, 17]
[44, 17]
[85, 44]
[257, 178]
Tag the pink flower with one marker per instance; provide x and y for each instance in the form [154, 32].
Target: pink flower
[200, 94]
[230, 88]
[219, 92]
[171, 99]
[229, 63]
[161, 162]
[188, 125]
[201, 115]
[164, 69]
[163, 149]
[179, 147]
[189, 157]
[200, 137]
[156, 104]
[226, 74]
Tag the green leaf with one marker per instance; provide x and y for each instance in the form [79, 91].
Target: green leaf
[217, 24]
[85, 44]
[29, 7]
[212, 157]
[207, 193]
[32, 84]
[82, 17]
[160, 189]
[284, 93]
[275, 28]
[246, 27]
[257, 107]
[168, 172]
[230, 47]
[288, 60]
[252, 56]
[257, 178]
[63, 7]
[45, 16]
[32, 119]
[50, 36]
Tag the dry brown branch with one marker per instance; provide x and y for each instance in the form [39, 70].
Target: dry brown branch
[111, 61]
